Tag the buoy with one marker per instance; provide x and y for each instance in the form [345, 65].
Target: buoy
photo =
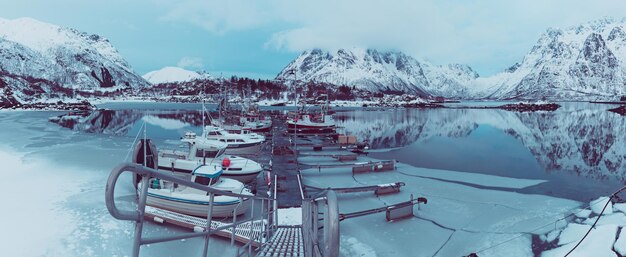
[225, 162]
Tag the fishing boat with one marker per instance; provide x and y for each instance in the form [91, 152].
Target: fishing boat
[187, 200]
[201, 151]
[311, 122]
[243, 142]
[304, 121]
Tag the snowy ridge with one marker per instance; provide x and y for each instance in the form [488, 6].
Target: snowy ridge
[580, 63]
[172, 74]
[585, 62]
[373, 70]
[39, 61]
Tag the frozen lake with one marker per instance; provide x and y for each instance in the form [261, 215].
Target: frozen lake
[490, 175]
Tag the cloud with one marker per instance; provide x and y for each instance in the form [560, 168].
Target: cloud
[490, 34]
[190, 63]
[218, 16]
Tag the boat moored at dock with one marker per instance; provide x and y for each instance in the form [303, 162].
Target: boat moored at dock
[181, 199]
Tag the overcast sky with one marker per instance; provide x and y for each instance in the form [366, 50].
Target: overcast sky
[258, 38]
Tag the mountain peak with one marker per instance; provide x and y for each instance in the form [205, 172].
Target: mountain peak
[376, 70]
[172, 74]
[42, 60]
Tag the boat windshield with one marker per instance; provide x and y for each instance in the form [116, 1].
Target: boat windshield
[206, 153]
[205, 181]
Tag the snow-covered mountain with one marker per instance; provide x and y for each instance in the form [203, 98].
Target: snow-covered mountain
[173, 74]
[580, 63]
[583, 62]
[374, 70]
[39, 61]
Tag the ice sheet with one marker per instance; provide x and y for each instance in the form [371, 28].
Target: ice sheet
[453, 211]
[598, 244]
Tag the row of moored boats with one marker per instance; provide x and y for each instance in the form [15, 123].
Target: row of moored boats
[214, 159]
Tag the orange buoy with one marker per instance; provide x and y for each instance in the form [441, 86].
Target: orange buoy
[225, 162]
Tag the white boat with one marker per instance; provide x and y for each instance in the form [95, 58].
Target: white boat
[244, 142]
[202, 151]
[304, 121]
[191, 201]
[256, 123]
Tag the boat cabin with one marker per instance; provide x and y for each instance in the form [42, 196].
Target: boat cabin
[206, 174]
[200, 148]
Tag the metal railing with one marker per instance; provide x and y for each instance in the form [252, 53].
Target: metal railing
[325, 244]
[267, 215]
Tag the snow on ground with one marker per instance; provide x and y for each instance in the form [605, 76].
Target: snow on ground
[290, 216]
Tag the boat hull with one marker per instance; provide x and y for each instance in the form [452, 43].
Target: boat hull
[238, 170]
[245, 149]
[221, 209]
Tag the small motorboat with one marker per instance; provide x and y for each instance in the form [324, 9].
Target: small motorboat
[170, 196]
[244, 142]
[201, 151]
[255, 122]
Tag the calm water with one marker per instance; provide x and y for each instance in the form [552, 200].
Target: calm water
[579, 149]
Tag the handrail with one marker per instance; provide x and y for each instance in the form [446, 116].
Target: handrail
[329, 245]
[137, 215]
[152, 173]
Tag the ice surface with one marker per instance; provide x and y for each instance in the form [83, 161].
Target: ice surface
[455, 212]
[32, 198]
[54, 205]
[615, 218]
[572, 233]
[619, 207]
[598, 204]
[598, 243]
[583, 213]
[620, 244]
[551, 236]
[350, 246]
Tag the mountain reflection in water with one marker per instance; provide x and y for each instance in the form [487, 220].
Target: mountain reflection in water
[580, 148]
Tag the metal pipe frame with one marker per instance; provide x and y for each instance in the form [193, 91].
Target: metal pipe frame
[137, 215]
